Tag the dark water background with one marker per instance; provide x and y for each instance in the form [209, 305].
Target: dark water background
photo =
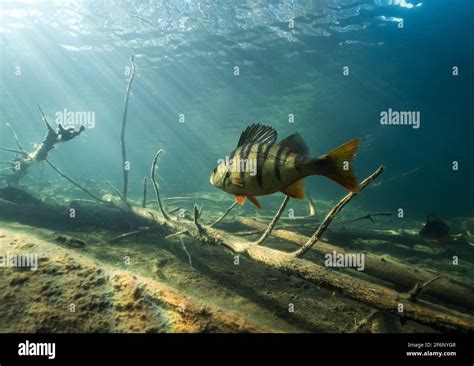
[73, 56]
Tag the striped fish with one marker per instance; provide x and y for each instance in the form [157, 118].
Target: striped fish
[260, 165]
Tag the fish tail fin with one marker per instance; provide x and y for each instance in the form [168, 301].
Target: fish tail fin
[337, 165]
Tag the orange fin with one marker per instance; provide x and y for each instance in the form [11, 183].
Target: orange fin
[240, 200]
[296, 190]
[254, 201]
[337, 165]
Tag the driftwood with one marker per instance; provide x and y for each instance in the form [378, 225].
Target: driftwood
[155, 184]
[144, 193]
[20, 166]
[124, 125]
[400, 274]
[374, 295]
[223, 215]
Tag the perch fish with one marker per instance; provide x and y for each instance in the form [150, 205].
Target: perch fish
[261, 166]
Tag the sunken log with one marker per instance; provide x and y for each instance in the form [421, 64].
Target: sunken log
[374, 295]
[450, 292]
[84, 214]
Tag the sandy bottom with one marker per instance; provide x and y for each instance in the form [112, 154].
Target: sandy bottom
[148, 284]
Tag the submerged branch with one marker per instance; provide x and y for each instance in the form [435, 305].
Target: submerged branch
[196, 217]
[118, 194]
[155, 184]
[15, 137]
[415, 291]
[144, 193]
[332, 214]
[223, 215]
[14, 151]
[273, 222]
[369, 216]
[140, 231]
[124, 124]
[75, 183]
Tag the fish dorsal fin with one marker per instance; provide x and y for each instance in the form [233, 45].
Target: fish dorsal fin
[257, 133]
[296, 190]
[296, 144]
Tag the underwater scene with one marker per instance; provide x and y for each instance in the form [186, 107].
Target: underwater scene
[236, 166]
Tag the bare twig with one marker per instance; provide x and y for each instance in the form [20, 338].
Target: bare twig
[196, 217]
[223, 215]
[144, 193]
[14, 151]
[369, 216]
[184, 231]
[134, 233]
[415, 291]
[45, 120]
[273, 222]
[189, 198]
[173, 210]
[358, 326]
[75, 183]
[155, 184]
[15, 137]
[249, 232]
[332, 214]
[186, 251]
[124, 124]
[311, 205]
[116, 191]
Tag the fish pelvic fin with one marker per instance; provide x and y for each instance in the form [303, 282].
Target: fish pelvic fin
[254, 201]
[337, 165]
[295, 190]
[240, 200]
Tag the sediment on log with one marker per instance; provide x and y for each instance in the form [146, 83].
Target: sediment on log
[403, 275]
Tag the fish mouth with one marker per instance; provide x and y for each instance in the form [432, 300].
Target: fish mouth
[211, 180]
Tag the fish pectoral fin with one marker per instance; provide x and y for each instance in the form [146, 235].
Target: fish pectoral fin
[240, 200]
[254, 201]
[295, 190]
[237, 181]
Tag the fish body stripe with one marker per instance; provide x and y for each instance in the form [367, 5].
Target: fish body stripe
[299, 163]
[261, 150]
[245, 155]
[261, 167]
[278, 157]
[235, 152]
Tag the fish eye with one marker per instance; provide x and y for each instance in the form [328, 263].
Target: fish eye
[215, 169]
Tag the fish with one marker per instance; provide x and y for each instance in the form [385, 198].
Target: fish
[435, 230]
[262, 166]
